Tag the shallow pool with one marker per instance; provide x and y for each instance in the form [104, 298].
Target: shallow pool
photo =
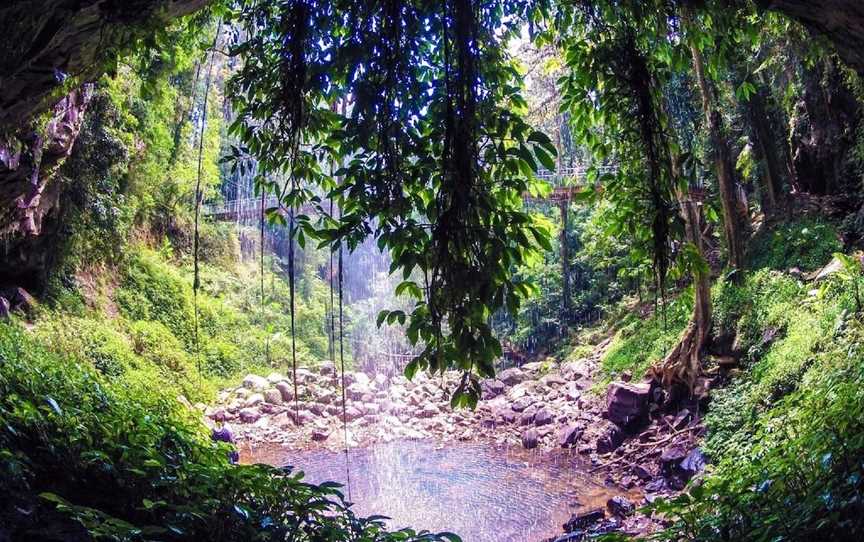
[480, 492]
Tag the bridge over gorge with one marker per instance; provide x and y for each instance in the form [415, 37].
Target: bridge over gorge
[565, 183]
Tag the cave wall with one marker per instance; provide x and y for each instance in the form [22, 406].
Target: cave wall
[49, 52]
[840, 21]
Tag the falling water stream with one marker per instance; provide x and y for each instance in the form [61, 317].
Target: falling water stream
[481, 492]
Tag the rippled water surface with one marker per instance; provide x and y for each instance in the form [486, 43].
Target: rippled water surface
[482, 493]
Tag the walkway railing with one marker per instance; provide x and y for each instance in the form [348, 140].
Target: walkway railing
[565, 182]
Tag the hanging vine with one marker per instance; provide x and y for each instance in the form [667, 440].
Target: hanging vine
[196, 281]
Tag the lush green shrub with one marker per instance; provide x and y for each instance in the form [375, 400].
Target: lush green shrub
[88, 339]
[787, 437]
[153, 290]
[807, 243]
[641, 341]
[84, 458]
[155, 342]
[222, 358]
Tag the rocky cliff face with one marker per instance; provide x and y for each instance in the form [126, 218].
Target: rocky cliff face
[49, 51]
[841, 21]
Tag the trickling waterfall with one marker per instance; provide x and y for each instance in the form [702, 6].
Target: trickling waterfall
[367, 286]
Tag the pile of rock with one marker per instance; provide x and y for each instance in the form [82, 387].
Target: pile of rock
[529, 405]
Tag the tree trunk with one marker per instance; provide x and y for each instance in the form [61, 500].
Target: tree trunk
[682, 366]
[764, 143]
[733, 222]
[565, 259]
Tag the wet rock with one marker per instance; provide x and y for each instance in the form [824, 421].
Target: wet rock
[671, 459]
[512, 376]
[273, 397]
[5, 308]
[530, 439]
[620, 506]
[626, 403]
[694, 463]
[569, 435]
[543, 417]
[249, 415]
[320, 435]
[492, 388]
[611, 440]
[507, 415]
[642, 472]
[527, 417]
[585, 520]
[255, 382]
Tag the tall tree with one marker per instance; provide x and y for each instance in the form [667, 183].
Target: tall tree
[734, 221]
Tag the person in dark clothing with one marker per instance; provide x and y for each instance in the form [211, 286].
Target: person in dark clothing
[222, 433]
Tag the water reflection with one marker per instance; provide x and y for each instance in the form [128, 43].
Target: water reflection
[482, 493]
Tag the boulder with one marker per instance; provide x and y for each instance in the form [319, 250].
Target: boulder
[552, 380]
[254, 399]
[249, 415]
[327, 368]
[620, 506]
[532, 367]
[304, 376]
[530, 439]
[352, 413]
[626, 402]
[574, 370]
[519, 405]
[584, 520]
[275, 377]
[610, 441]
[527, 417]
[357, 390]
[677, 461]
[543, 417]
[255, 382]
[507, 415]
[371, 408]
[320, 435]
[492, 388]
[5, 308]
[512, 376]
[19, 299]
[272, 396]
[286, 390]
[569, 435]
